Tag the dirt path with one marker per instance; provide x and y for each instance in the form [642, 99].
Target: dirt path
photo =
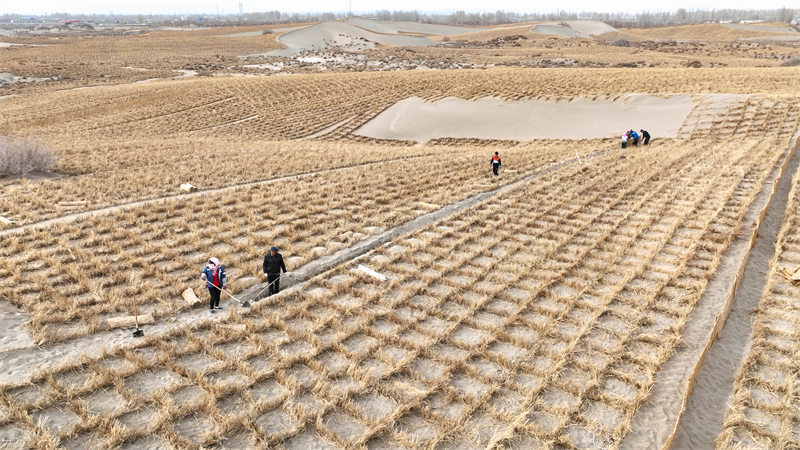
[707, 405]
[127, 206]
[659, 419]
[18, 365]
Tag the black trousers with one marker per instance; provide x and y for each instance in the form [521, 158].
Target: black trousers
[214, 297]
[624, 144]
[635, 142]
[275, 284]
[495, 167]
[646, 139]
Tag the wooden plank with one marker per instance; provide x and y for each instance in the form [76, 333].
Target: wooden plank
[371, 272]
[188, 187]
[130, 321]
[190, 297]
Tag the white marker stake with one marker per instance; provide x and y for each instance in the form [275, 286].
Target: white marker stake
[371, 272]
[579, 158]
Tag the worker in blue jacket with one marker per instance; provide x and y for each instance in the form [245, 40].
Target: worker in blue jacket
[635, 137]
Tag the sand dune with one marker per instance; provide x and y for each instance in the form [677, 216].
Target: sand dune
[495, 118]
[575, 28]
[385, 26]
[338, 34]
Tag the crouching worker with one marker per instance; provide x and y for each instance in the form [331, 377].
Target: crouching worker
[625, 140]
[645, 137]
[273, 265]
[214, 276]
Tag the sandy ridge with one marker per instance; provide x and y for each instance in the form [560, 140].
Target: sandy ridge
[714, 383]
[656, 422]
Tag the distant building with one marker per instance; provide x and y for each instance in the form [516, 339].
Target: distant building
[28, 20]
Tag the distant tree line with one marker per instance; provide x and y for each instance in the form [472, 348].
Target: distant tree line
[681, 16]
[646, 19]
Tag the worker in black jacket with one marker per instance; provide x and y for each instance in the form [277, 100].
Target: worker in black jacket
[645, 137]
[273, 265]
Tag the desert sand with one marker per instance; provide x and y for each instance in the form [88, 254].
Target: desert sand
[337, 34]
[566, 302]
[575, 28]
[494, 118]
[383, 26]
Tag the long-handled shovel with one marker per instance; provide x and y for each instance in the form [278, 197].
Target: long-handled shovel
[244, 304]
[268, 286]
[138, 332]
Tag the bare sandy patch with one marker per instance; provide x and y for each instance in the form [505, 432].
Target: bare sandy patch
[13, 334]
[338, 34]
[389, 27]
[9, 79]
[574, 28]
[495, 118]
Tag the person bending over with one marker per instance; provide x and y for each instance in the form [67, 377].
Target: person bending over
[635, 137]
[645, 137]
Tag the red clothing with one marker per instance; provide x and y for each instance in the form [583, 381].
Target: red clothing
[216, 278]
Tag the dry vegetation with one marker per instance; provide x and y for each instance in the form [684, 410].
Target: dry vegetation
[171, 129]
[521, 48]
[765, 412]
[98, 61]
[537, 318]
[71, 276]
[702, 32]
[21, 156]
[110, 60]
[543, 51]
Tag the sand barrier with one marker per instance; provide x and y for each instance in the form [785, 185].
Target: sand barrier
[655, 424]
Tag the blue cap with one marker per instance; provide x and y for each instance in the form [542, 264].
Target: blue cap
[273, 249]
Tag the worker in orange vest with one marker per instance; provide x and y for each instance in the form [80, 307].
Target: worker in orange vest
[495, 163]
